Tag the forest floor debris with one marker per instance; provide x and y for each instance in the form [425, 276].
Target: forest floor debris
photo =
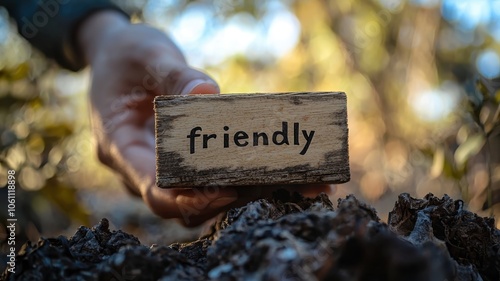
[288, 237]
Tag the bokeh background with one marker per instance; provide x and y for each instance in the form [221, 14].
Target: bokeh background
[420, 118]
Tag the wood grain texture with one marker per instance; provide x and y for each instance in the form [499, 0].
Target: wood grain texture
[251, 139]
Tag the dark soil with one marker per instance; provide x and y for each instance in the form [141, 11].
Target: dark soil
[288, 238]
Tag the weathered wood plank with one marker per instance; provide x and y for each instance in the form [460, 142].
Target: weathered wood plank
[251, 139]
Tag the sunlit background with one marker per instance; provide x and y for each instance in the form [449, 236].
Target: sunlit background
[419, 120]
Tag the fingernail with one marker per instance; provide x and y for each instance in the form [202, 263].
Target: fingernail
[221, 202]
[195, 83]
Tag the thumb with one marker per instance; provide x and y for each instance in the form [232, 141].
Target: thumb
[200, 86]
[185, 80]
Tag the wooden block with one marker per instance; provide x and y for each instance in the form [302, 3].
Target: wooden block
[251, 139]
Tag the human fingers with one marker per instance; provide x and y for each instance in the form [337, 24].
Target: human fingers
[176, 78]
[136, 162]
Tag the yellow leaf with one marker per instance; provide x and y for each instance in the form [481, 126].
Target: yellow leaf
[437, 163]
[469, 148]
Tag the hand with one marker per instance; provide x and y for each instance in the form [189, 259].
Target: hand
[131, 64]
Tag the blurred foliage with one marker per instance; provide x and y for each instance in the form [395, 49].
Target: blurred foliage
[484, 109]
[420, 120]
[34, 132]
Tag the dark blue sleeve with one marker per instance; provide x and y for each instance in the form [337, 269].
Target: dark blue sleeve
[50, 25]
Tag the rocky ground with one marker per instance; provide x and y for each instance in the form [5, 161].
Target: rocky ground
[287, 238]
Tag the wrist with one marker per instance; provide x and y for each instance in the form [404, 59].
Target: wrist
[95, 29]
